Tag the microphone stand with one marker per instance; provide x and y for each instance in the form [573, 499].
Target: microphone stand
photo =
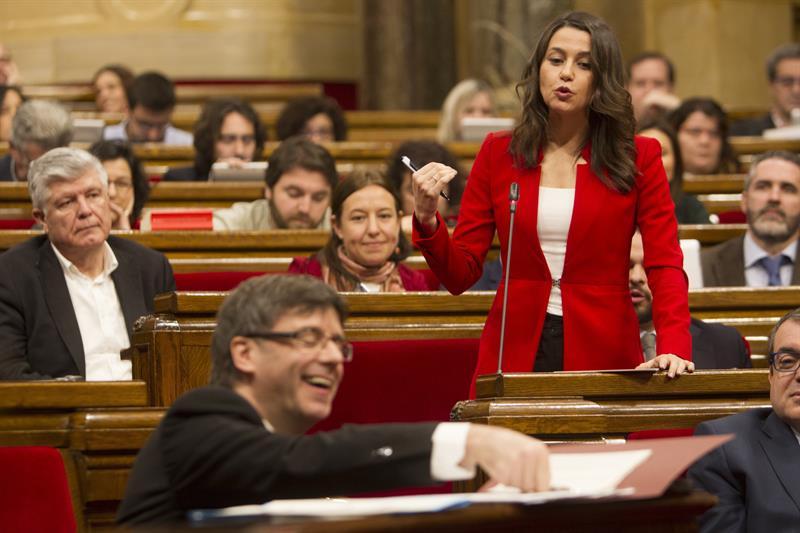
[513, 197]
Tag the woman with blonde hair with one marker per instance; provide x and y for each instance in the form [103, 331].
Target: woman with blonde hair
[469, 98]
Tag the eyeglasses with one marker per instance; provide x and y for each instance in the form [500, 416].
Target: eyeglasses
[310, 338]
[120, 185]
[226, 138]
[785, 360]
[787, 82]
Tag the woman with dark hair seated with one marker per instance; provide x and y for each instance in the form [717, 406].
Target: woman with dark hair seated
[366, 246]
[10, 100]
[702, 128]
[421, 153]
[128, 188]
[228, 130]
[111, 84]
[319, 118]
[688, 209]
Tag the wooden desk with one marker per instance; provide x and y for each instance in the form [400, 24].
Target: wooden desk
[714, 184]
[99, 428]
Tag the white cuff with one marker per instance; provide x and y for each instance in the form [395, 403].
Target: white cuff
[449, 441]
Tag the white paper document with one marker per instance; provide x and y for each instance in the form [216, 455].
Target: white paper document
[577, 475]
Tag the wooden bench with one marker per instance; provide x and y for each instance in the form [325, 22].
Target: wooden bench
[714, 184]
[99, 428]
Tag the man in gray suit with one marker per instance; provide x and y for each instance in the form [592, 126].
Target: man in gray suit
[765, 256]
[756, 476]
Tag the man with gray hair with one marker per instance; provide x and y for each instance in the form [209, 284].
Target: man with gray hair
[69, 297]
[766, 255]
[38, 126]
[783, 73]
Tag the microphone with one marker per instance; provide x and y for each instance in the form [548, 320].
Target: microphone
[513, 198]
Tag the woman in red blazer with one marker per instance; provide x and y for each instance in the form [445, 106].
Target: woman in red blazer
[574, 144]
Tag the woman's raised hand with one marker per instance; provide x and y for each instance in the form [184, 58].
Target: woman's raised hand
[427, 183]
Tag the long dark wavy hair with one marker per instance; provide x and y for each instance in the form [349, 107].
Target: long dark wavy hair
[111, 150]
[208, 127]
[611, 122]
[329, 255]
[727, 162]
[676, 184]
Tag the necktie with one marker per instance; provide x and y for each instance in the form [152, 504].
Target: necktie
[773, 267]
[649, 345]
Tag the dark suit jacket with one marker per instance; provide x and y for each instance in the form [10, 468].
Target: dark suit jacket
[756, 476]
[212, 450]
[723, 265]
[39, 333]
[5, 168]
[717, 346]
[752, 126]
[183, 174]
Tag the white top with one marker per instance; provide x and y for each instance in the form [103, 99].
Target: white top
[100, 319]
[555, 215]
[754, 273]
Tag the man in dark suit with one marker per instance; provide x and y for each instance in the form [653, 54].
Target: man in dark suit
[756, 476]
[278, 355]
[766, 255]
[69, 298]
[713, 345]
[38, 126]
[783, 73]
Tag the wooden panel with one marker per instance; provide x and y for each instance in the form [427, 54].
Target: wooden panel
[51, 394]
[714, 184]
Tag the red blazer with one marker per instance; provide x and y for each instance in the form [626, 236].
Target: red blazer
[601, 330]
[412, 279]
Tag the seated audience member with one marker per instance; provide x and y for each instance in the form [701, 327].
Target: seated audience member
[713, 345]
[38, 126]
[69, 297]
[702, 128]
[10, 100]
[651, 84]
[468, 98]
[128, 188]
[783, 73]
[278, 356]
[755, 476]
[688, 209]
[318, 118]
[229, 131]
[299, 179]
[9, 73]
[421, 153]
[766, 255]
[367, 245]
[151, 101]
[111, 85]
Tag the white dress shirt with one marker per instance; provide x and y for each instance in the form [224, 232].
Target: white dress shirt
[100, 319]
[754, 273]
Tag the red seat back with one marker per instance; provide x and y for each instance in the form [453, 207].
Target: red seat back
[35, 492]
[211, 281]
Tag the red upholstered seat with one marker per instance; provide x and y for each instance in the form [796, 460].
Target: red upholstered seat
[35, 493]
[661, 433]
[16, 223]
[732, 217]
[211, 281]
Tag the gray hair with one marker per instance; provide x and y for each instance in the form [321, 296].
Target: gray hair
[457, 98]
[786, 51]
[255, 306]
[43, 122]
[791, 157]
[60, 164]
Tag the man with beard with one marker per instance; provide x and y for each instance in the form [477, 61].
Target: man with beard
[713, 345]
[765, 255]
[299, 180]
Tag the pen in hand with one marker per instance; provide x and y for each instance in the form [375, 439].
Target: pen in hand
[413, 168]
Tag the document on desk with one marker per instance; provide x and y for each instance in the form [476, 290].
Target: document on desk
[641, 468]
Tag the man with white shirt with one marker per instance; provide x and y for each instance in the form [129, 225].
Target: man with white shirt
[766, 255]
[69, 298]
[151, 101]
[756, 476]
[278, 355]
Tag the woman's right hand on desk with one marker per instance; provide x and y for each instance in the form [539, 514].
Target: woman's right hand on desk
[427, 183]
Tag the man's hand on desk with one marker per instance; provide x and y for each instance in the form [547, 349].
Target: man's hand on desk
[508, 457]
